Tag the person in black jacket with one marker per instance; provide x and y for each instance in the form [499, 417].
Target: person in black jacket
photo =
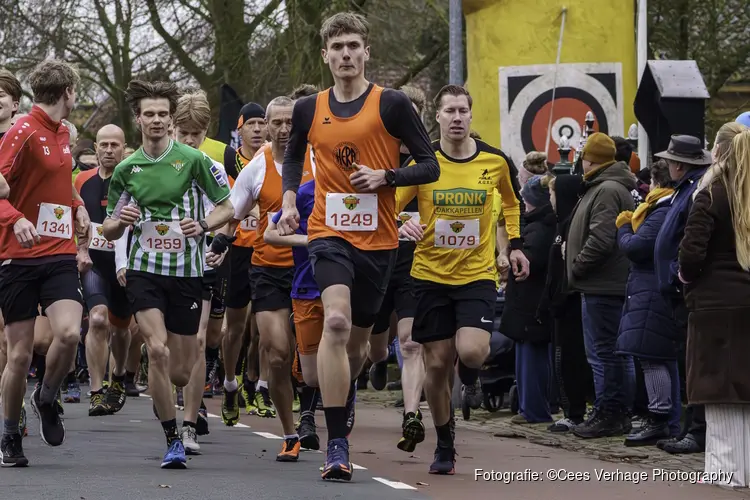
[523, 319]
[572, 371]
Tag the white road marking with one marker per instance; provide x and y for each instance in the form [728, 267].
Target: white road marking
[241, 426]
[358, 467]
[398, 485]
[267, 435]
[136, 421]
[212, 415]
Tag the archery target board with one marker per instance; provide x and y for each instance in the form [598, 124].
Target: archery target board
[526, 102]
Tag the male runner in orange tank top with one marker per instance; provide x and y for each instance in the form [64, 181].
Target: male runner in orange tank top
[355, 129]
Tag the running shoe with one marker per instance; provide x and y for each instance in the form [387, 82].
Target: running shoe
[445, 462]
[131, 390]
[73, 394]
[248, 394]
[190, 440]
[413, 432]
[350, 413]
[11, 451]
[22, 420]
[208, 388]
[51, 427]
[59, 402]
[116, 396]
[308, 436]
[337, 464]
[263, 404]
[379, 375]
[180, 397]
[289, 450]
[175, 458]
[98, 406]
[201, 425]
[230, 410]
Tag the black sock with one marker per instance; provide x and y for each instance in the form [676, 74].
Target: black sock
[41, 367]
[203, 404]
[10, 427]
[444, 436]
[336, 422]
[71, 378]
[118, 378]
[308, 400]
[170, 431]
[212, 353]
[467, 375]
[129, 376]
[185, 423]
[352, 393]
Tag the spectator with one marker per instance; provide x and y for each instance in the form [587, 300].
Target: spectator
[744, 119]
[598, 269]
[626, 153]
[687, 162]
[523, 320]
[647, 330]
[714, 262]
[572, 370]
[534, 164]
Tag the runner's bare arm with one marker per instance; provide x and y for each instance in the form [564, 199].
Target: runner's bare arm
[220, 215]
[272, 237]
[402, 122]
[11, 155]
[244, 195]
[511, 205]
[296, 148]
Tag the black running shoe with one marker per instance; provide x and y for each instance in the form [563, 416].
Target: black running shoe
[98, 406]
[116, 396]
[379, 375]
[51, 427]
[201, 424]
[11, 448]
[308, 436]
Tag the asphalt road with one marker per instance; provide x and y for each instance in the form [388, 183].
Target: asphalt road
[117, 458]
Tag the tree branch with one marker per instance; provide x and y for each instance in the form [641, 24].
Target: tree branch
[439, 52]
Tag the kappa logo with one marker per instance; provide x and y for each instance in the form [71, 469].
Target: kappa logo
[58, 211]
[457, 227]
[136, 169]
[351, 202]
[162, 229]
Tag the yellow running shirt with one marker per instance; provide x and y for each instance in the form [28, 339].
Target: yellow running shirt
[459, 242]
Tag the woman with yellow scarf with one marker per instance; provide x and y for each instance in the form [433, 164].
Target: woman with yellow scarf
[647, 330]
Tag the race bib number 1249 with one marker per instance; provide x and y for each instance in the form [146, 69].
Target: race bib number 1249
[352, 211]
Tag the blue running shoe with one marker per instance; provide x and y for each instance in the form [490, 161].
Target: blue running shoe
[73, 395]
[337, 464]
[175, 458]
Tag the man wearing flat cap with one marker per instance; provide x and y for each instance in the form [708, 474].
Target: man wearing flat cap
[598, 269]
[688, 161]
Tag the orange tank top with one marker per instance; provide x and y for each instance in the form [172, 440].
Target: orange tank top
[246, 230]
[269, 202]
[363, 219]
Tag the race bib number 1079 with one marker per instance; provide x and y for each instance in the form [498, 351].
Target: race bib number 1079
[461, 234]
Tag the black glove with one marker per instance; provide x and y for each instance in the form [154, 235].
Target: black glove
[221, 243]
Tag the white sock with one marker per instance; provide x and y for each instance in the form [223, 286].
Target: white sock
[263, 384]
[231, 385]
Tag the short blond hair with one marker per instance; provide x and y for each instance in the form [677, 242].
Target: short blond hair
[50, 79]
[416, 96]
[193, 110]
[344, 23]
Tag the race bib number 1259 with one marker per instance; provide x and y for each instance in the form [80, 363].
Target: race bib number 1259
[55, 221]
[162, 237]
[352, 211]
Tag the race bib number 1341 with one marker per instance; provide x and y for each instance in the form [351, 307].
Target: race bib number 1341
[55, 221]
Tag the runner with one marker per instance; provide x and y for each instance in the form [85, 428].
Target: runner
[191, 121]
[108, 308]
[355, 129]
[272, 269]
[158, 190]
[399, 300]
[308, 315]
[454, 267]
[39, 257]
[239, 335]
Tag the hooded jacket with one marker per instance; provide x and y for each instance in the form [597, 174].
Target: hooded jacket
[594, 262]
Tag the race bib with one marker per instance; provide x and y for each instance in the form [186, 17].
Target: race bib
[55, 221]
[162, 237]
[352, 212]
[249, 223]
[457, 233]
[97, 241]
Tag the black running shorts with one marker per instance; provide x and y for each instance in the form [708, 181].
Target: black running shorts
[215, 290]
[179, 299]
[239, 292]
[38, 282]
[441, 310]
[399, 296]
[272, 288]
[367, 273]
[100, 288]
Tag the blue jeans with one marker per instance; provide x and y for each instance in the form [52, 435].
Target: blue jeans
[533, 378]
[614, 376]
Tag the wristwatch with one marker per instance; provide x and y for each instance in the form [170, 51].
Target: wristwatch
[390, 177]
[203, 225]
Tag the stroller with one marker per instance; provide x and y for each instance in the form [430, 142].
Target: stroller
[498, 375]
